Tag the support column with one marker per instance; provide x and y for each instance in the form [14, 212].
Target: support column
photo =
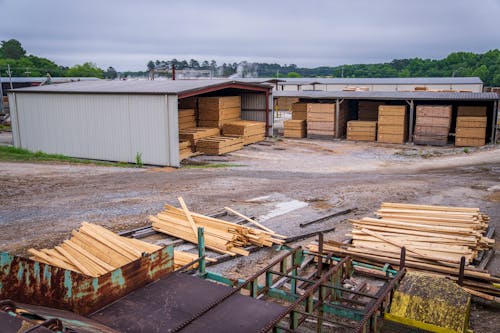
[494, 120]
[410, 122]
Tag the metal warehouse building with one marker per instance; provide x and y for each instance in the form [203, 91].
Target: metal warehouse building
[115, 120]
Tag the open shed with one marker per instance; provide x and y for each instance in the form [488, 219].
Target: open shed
[116, 120]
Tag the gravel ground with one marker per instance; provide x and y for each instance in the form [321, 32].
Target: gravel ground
[285, 181]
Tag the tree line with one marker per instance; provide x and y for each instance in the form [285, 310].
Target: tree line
[484, 65]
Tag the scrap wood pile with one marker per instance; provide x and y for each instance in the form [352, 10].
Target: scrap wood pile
[435, 238]
[220, 236]
[94, 251]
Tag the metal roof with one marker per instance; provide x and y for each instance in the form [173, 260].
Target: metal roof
[43, 79]
[384, 80]
[148, 87]
[390, 95]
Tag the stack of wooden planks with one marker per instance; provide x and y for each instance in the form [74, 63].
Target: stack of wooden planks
[295, 128]
[285, 103]
[249, 131]
[432, 125]
[216, 111]
[197, 133]
[94, 251]
[368, 110]
[320, 120]
[187, 118]
[182, 258]
[359, 130]
[218, 145]
[470, 129]
[220, 236]
[299, 111]
[392, 124]
[186, 149]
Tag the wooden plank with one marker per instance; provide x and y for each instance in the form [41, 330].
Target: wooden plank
[249, 219]
[188, 216]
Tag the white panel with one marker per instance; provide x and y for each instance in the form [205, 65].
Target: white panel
[102, 127]
[253, 107]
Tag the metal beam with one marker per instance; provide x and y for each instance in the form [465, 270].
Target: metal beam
[410, 122]
[494, 120]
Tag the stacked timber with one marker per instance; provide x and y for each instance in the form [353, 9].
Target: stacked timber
[358, 130]
[299, 111]
[220, 236]
[93, 251]
[186, 149]
[249, 131]
[470, 129]
[285, 103]
[320, 120]
[368, 110]
[295, 128]
[392, 124]
[187, 103]
[216, 111]
[218, 145]
[182, 258]
[432, 125]
[197, 133]
[187, 118]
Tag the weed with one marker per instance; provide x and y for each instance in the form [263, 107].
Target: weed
[138, 160]
[466, 150]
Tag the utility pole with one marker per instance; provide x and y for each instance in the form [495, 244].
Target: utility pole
[1, 93]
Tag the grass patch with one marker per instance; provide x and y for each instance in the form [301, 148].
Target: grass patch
[5, 128]
[211, 166]
[14, 154]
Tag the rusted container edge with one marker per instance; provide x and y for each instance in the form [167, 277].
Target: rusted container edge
[28, 281]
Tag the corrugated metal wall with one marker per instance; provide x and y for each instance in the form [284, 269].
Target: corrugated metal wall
[253, 107]
[96, 126]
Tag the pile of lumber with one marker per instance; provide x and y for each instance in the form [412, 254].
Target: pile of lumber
[285, 103]
[320, 120]
[299, 111]
[186, 149]
[368, 110]
[295, 128]
[432, 125]
[187, 118]
[220, 236]
[392, 124]
[197, 133]
[249, 131]
[216, 111]
[359, 130]
[471, 126]
[218, 145]
[182, 258]
[93, 251]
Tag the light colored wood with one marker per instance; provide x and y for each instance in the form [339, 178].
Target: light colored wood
[249, 220]
[89, 255]
[74, 261]
[188, 216]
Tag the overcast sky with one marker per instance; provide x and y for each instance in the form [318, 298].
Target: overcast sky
[127, 33]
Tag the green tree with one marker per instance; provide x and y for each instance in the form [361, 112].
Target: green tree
[110, 73]
[151, 65]
[11, 49]
[293, 75]
[87, 69]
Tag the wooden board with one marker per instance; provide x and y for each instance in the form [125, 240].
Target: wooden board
[472, 122]
[217, 145]
[391, 110]
[477, 133]
[469, 142]
[474, 111]
[196, 133]
[390, 138]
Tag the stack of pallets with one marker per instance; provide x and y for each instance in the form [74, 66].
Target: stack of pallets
[358, 130]
[295, 129]
[187, 118]
[392, 124]
[368, 110]
[471, 126]
[432, 125]
[249, 131]
[94, 251]
[220, 236]
[218, 145]
[320, 121]
[217, 111]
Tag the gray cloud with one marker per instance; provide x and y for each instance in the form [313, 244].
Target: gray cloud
[126, 34]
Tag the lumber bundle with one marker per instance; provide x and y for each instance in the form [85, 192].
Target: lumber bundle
[470, 129]
[218, 145]
[432, 125]
[186, 149]
[94, 251]
[320, 120]
[186, 118]
[368, 110]
[285, 103]
[220, 236]
[197, 133]
[216, 111]
[182, 258]
[249, 131]
[295, 128]
[299, 111]
[392, 124]
[361, 130]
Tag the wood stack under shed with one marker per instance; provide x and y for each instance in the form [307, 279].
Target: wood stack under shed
[295, 128]
[186, 149]
[432, 125]
[217, 111]
[358, 130]
[94, 251]
[392, 124]
[471, 124]
[249, 131]
[299, 111]
[218, 145]
[320, 120]
[368, 110]
[285, 103]
[187, 118]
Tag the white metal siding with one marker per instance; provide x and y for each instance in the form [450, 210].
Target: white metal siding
[94, 126]
[253, 107]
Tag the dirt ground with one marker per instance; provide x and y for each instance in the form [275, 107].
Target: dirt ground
[281, 182]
